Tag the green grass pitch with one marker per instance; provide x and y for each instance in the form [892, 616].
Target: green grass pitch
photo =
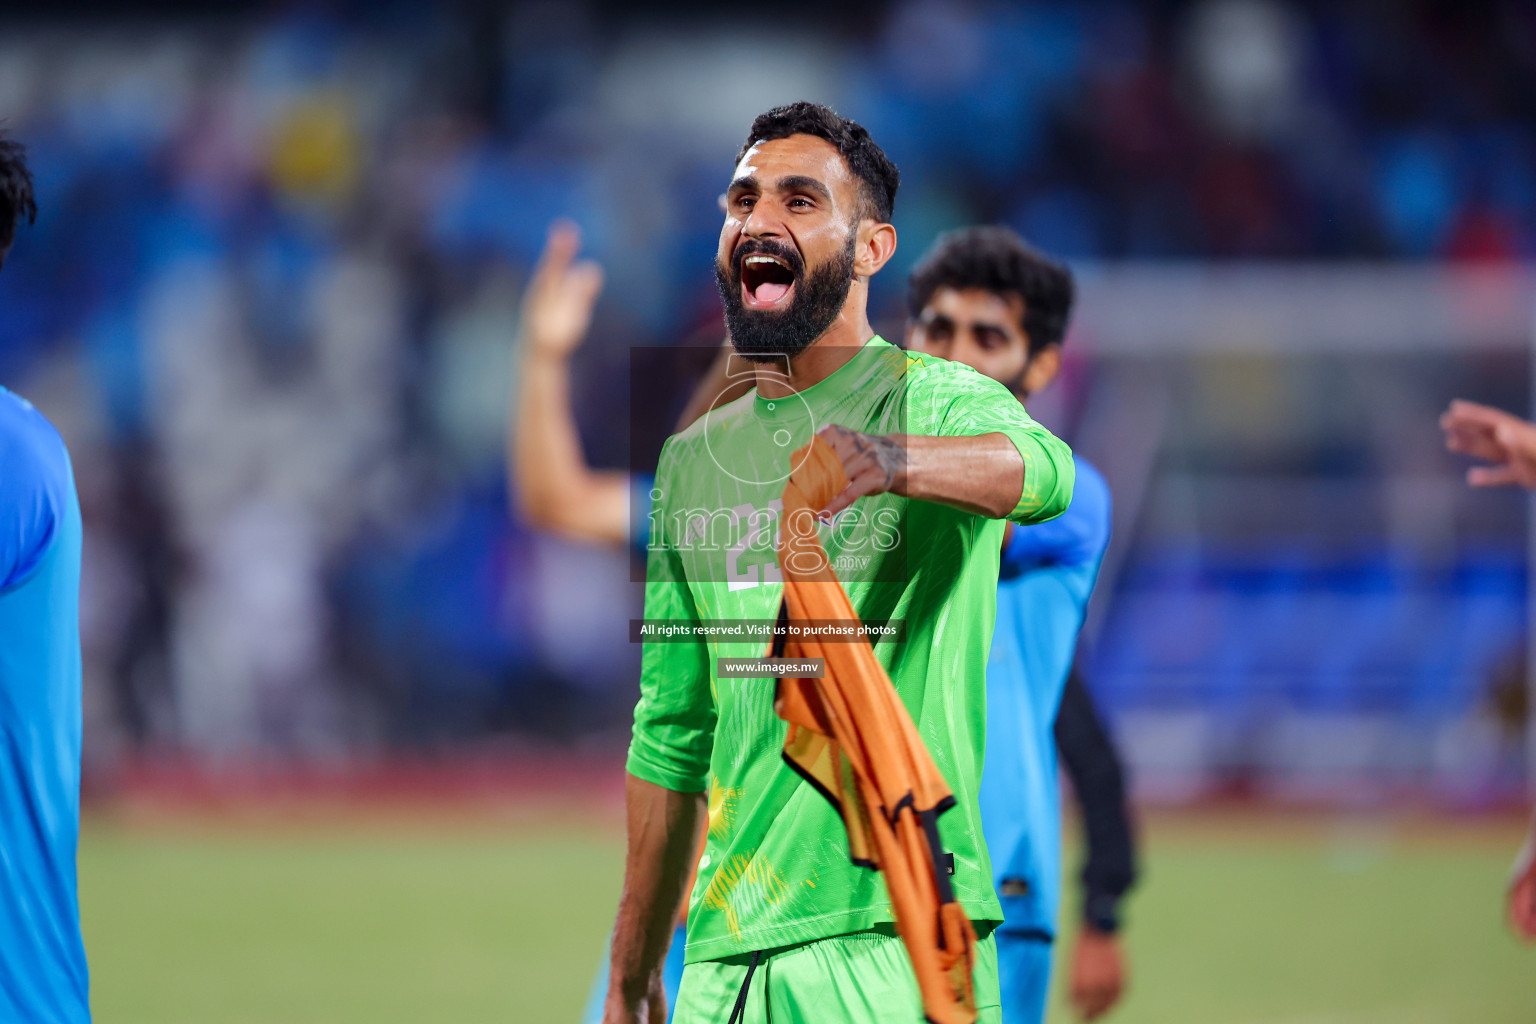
[425, 920]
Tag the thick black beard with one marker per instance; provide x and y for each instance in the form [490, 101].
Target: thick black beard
[759, 335]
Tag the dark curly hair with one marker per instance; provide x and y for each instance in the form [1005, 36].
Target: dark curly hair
[16, 200]
[995, 259]
[867, 161]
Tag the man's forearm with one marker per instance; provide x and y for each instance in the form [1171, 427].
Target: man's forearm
[983, 474]
[663, 839]
[546, 453]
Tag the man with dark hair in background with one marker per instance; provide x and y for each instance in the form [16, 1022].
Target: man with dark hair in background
[986, 298]
[43, 973]
[783, 926]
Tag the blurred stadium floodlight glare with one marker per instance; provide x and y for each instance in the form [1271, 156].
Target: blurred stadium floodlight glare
[1170, 309]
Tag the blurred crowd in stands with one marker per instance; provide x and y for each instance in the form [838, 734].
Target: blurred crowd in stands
[272, 295]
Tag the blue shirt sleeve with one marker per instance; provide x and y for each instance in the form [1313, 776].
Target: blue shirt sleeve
[640, 504]
[34, 477]
[1077, 537]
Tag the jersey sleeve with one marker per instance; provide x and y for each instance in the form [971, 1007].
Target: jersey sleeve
[32, 492]
[674, 730]
[1077, 537]
[640, 501]
[954, 400]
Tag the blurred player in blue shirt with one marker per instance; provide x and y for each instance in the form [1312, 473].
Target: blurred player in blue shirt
[42, 959]
[983, 297]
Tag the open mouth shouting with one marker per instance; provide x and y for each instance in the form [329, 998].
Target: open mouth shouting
[773, 304]
[767, 281]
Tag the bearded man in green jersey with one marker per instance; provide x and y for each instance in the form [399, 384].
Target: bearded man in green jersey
[782, 925]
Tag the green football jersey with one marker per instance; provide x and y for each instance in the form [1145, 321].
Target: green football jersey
[775, 868]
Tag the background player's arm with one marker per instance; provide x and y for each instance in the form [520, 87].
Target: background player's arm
[663, 827]
[556, 489]
[1507, 441]
[1097, 973]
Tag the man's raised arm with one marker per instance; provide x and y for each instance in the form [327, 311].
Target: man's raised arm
[555, 488]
